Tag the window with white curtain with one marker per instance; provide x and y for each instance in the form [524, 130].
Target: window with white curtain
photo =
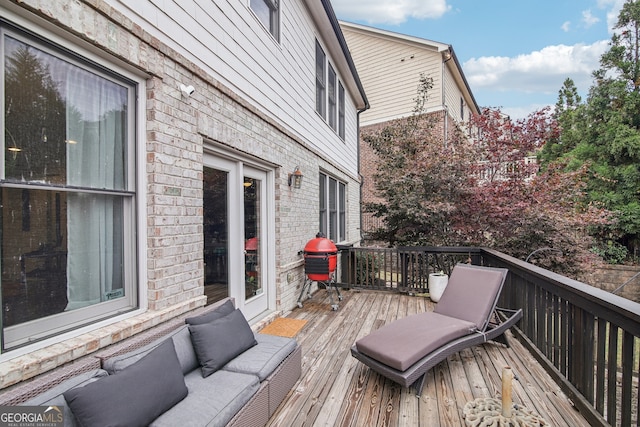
[68, 191]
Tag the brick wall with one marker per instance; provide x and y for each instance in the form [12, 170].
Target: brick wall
[177, 131]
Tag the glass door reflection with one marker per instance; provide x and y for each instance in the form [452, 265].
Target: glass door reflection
[216, 234]
[252, 217]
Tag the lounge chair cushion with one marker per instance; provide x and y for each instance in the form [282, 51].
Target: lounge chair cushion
[471, 293]
[403, 342]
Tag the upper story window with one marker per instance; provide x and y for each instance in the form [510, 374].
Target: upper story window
[68, 190]
[461, 109]
[333, 218]
[321, 96]
[268, 12]
[341, 110]
[329, 93]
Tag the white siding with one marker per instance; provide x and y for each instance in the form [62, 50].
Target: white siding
[226, 40]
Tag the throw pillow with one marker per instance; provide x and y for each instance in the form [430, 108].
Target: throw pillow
[135, 396]
[217, 342]
[218, 313]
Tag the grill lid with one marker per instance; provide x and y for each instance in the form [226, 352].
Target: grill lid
[320, 245]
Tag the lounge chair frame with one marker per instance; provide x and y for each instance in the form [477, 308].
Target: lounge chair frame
[497, 323]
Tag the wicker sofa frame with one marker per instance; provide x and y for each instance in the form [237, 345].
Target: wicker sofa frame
[256, 412]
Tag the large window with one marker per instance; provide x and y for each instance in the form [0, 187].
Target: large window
[333, 222]
[67, 191]
[329, 93]
[267, 12]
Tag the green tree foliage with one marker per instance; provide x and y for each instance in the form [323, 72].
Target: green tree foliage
[604, 132]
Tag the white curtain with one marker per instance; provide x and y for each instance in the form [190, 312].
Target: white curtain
[95, 143]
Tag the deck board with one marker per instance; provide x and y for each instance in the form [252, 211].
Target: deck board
[337, 390]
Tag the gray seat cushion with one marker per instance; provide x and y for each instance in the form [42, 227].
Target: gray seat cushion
[264, 358]
[219, 341]
[54, 397]
[212, 401]
[471, 293]
[403, 342]
[181, 342]
[134, 396]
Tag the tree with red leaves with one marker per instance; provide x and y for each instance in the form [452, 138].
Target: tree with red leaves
[483, 190]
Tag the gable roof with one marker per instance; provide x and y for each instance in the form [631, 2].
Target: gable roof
[445, 49]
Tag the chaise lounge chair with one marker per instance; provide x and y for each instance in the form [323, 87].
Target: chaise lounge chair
[465, 316]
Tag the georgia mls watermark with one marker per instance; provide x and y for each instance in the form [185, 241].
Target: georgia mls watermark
[31, 416]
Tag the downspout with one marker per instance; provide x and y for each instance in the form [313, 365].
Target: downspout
[447, 55]
[360, 111]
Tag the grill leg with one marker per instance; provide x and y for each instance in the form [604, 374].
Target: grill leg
[306, 287]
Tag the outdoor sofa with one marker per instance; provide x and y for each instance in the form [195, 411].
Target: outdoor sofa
[204, 369]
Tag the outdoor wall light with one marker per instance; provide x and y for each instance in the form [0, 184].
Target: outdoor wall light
[187, 91]
[295, 178]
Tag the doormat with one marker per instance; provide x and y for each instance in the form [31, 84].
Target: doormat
[284, 327]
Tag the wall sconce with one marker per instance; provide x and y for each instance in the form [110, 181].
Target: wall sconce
[295, 178]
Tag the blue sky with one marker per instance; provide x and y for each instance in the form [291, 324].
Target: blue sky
[515, 53]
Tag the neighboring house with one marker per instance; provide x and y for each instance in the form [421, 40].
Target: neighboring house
[147, 161]
[389, 65]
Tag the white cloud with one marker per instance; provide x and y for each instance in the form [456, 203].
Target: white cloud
[389, 12]
[566, 26]
[588, 19]
[613, 10]
[541, 71]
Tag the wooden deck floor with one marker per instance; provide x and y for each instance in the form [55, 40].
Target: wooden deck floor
[337, 390]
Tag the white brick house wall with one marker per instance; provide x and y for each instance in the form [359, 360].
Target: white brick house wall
[175, 132]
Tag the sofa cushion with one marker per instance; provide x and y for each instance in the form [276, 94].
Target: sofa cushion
[212, 401]
[134, 396]
[217, 313]
[217, 342]
[403, 342]
[54, 396]
[264, 358]
[181, 341]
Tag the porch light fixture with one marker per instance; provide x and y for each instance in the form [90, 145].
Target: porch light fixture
[295, 178]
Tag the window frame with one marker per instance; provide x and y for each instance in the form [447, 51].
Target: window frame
[330, 95]
[332, 90]
[321, 85]
[341, 111]
[332, 195]
[50, 327]
[274, 17]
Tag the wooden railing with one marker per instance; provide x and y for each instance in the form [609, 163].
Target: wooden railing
[586, 338]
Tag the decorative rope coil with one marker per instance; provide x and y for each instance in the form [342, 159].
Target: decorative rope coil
[490, 412]
[487, 412]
